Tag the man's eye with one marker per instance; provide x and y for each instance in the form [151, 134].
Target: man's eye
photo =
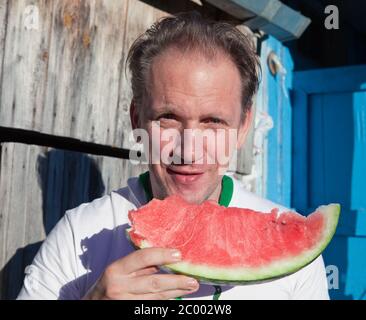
[167, 116]
[213, 120]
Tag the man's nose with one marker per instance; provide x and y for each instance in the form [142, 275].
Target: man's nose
[191, 147]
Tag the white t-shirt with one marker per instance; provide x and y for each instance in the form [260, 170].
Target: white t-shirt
[90, 237]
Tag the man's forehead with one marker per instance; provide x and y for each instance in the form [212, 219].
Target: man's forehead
[171, 93]
[193, 74]
[192, 87]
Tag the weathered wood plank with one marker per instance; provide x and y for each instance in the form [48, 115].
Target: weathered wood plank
[37, 186]
[3, 25]
[13, 226]
[25, 65]
[5, 180]
[85, 59]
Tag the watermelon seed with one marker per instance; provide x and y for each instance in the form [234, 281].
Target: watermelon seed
[283, 222]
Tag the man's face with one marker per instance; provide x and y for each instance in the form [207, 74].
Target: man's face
[189, 95]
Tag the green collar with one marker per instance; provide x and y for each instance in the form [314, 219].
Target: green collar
[227, 188]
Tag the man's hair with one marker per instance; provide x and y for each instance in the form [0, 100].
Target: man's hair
[190, 31]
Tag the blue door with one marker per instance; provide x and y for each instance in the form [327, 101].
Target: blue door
[329, 165]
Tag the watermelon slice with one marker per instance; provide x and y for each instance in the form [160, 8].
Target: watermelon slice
[222, 245]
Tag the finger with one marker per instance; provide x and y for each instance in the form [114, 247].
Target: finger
[147, 257]
[162, 282]
[164, 295]
[146, 271]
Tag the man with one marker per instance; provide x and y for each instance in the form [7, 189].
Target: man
[188, 75]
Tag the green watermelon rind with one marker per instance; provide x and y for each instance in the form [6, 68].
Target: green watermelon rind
[236, 276]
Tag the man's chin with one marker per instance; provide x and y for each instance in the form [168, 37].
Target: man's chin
[191, 195]
[193, 198]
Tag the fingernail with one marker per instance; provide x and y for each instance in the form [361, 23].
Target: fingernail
[192, 283]
[176, 255]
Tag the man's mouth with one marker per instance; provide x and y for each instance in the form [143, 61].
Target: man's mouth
[185, 175]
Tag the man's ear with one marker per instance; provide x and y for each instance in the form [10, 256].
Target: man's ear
[134, 115]
[244, 127]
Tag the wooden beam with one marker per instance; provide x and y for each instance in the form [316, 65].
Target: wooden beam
[59, 142]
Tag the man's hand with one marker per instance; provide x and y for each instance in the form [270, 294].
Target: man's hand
[133, 277]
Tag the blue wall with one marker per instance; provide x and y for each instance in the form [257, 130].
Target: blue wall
[316, 155]
[329, 164]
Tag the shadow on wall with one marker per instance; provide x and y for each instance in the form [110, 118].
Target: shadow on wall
[67, 179]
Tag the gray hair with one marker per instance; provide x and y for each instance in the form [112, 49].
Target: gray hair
[190, 31]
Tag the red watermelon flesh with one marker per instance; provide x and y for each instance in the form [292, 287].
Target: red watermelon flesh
[232, 244]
